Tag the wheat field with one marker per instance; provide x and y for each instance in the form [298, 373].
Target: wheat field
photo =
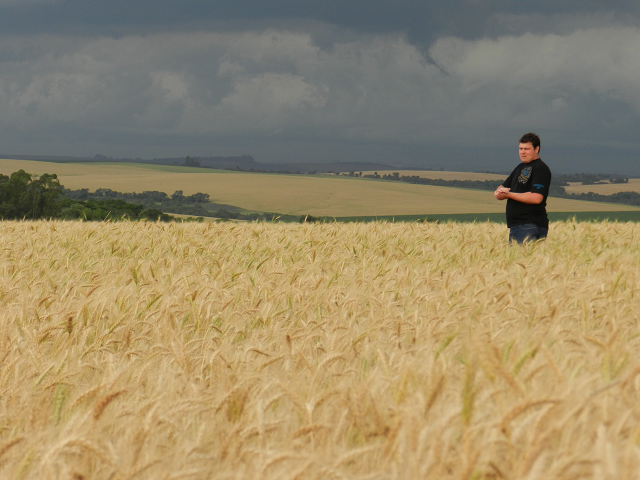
[318, 351]
[606, 188]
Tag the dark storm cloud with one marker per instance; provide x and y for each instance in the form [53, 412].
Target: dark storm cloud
[421, 20]
[431, 83]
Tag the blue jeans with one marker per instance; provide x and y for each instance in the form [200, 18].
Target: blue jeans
[527, 232]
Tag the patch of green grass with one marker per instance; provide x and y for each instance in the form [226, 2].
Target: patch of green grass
[625, 216]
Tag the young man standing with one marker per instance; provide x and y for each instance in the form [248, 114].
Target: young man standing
[526, 191]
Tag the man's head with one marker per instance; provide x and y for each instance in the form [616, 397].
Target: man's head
[529, 147]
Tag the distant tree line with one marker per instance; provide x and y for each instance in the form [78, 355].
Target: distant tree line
[589, 178]
[110, 209]
[489, 185]
[192, 162]
[177, 203]
[258, 170]
[626, 198]
[146, 196]
[27, 196]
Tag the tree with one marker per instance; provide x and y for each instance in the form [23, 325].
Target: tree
[45, 193]
[191, 162]
[197, 198]
[26, 196]
[178, 196]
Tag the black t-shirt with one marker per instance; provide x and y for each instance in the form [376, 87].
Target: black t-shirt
[533, 177]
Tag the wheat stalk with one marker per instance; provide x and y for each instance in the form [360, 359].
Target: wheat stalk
[382, 350]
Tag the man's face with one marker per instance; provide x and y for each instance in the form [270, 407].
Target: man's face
[528, 153]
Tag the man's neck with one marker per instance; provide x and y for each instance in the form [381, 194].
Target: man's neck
[531, 161]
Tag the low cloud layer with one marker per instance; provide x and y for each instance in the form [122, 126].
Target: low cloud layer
[287, 94]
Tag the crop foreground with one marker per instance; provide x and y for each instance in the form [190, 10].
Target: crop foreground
[281, 351]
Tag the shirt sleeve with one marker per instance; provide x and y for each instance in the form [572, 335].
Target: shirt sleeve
[507, 182]
[540, 181]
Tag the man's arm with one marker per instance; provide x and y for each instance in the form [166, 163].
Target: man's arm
[499, 191]
[504, 187]
[528, 197]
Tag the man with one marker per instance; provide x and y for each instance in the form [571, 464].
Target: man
[526, 191]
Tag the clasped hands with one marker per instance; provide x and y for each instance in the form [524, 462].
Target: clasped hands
[501, 193]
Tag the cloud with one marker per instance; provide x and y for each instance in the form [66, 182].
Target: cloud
[580, 88]
[603, 61]
[25, 3]
[215, 82]
[421, 21]
[210, 88]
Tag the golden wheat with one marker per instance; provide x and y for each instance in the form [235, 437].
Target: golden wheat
[275, 351]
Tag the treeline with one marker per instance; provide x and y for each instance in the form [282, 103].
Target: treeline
[146, 196]
[489, 185]
[26, 196]
[102, 210]
[626, 198]
[561, 180]
[477, 184]
[178, 203]
[589, 178]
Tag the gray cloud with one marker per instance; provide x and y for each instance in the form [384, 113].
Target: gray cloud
[339, 90]
[422, 21]
[24, 3]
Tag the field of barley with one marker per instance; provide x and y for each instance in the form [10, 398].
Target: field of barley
[318, 351]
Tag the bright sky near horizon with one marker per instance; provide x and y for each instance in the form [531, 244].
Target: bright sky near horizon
[405, 82]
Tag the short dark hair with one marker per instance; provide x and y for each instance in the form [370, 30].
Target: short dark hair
[531, 138]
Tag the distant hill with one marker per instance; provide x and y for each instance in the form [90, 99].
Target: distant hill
[240, 163]
[57, 158]
[248, 163]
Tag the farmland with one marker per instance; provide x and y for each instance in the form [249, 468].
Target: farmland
[302, 351]
[444, 175]
[290, 194]
[606, 188]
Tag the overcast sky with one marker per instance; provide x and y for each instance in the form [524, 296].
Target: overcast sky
[407, 82]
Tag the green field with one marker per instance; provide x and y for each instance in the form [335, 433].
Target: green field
[316, 195]
[621, 216]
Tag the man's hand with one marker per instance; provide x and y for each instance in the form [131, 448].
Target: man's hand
[529, 198]
[501, 193]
